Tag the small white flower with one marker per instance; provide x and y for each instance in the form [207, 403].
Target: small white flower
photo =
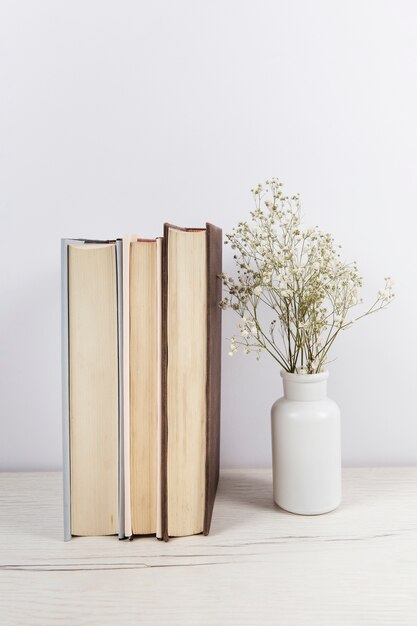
[297, 273]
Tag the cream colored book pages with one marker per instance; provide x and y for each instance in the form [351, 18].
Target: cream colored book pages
[93, 389]
[143, 386]
[159, 387]
[127, 239]
[186, 381]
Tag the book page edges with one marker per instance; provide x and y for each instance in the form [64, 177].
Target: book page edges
[185, 387]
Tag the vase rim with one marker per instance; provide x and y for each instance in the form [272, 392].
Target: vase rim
[304, 378]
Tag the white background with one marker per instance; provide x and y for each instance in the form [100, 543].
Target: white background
[118, 116]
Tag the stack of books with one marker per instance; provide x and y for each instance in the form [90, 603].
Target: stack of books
[141, 352]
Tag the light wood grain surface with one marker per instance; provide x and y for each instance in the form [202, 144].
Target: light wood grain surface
[260, 565]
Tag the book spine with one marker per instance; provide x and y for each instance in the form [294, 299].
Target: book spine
[121, 460]
[213, 384]
[65, 391]
[164, 366]
[159, 456]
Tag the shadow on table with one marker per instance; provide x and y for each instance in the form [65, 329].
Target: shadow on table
[247, 489]
[241, 497]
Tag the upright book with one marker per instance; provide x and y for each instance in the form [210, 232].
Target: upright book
[91, 370]
[145, 386]
[191, 364]
[141, 346]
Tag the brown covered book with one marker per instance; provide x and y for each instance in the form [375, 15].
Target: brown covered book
[191, 362]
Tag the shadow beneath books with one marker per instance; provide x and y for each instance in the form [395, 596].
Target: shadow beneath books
[254, 488]
[247, 494]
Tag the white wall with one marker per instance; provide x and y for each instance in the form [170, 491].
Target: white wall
[118, 116]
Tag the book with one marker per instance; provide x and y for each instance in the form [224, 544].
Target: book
[191, 350]
[145, 384]
[136, 301]
[141, 332]
[91, 383]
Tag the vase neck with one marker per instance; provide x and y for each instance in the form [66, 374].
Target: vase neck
[305, 387]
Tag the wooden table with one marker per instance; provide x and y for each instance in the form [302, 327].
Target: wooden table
[260, 565]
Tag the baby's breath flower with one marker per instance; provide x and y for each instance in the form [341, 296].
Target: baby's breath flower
[301, 278]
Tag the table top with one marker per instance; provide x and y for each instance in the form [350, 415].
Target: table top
[259, 565]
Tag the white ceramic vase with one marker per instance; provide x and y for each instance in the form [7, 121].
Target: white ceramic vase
[306, 446]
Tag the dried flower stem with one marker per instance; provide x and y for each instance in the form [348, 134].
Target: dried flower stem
[298, 277]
